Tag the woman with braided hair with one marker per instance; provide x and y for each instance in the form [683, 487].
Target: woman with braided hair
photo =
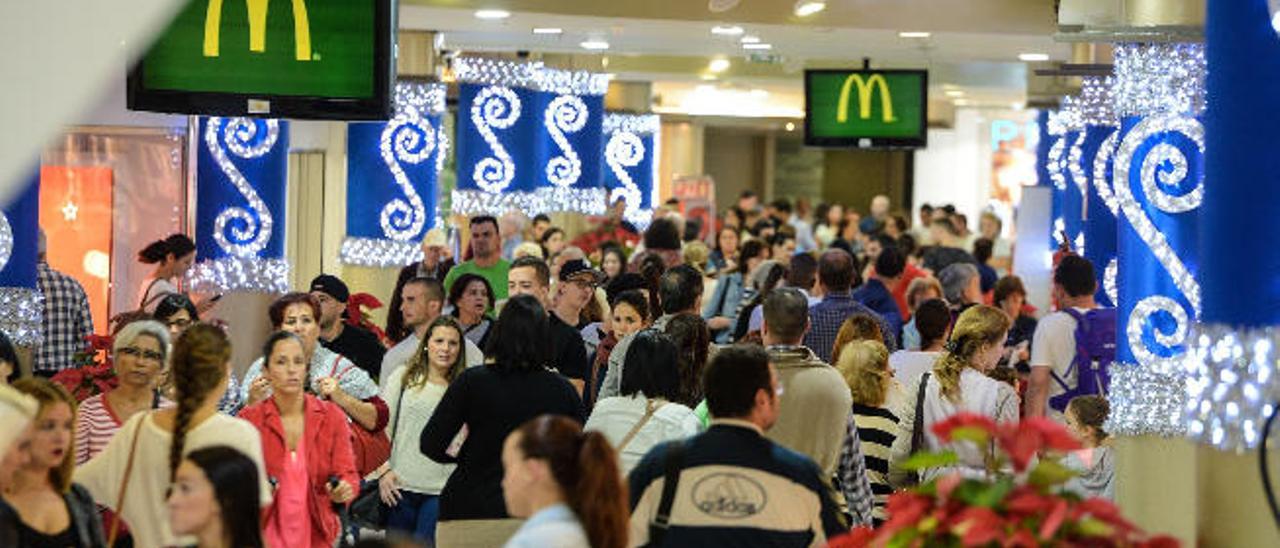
[130, 476]
[958, 383]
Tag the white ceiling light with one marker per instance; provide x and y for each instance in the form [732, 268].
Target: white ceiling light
[790, 126]
[726, 30]
[759, 93]
[594, 44]
[961, 102]
[717, 6]
[955, 93]
[757, 46]
[707, 77]
[1033, 57]
[492, 14]
[547, 30]
[805, 8]
[718, 65]
[914, 34]
[749, 39]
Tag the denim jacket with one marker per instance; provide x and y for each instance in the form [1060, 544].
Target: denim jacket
[724, 302]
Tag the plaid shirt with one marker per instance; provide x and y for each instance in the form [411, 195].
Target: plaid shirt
[66, 320]
[826, 317]
[852, 481]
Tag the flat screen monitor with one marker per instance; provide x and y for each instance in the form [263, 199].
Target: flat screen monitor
[317, 59]
[866, 108]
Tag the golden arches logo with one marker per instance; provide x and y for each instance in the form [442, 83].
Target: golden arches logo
[258, 28]
[865, 89]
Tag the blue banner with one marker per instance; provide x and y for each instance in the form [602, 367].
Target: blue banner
[21, 305]
[393, 171]
[570, 141]
[630, 156]
[241, 174]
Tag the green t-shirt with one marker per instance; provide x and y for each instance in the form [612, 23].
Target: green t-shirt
[496, 274]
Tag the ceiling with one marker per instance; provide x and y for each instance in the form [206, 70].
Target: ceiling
[973, 48]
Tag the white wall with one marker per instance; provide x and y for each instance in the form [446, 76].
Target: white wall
[956, 167]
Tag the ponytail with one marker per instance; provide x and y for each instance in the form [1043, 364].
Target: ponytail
[198, 366]
[178, 245]
[976, 327]
[154, 252]
[585, 466]
[651, 269]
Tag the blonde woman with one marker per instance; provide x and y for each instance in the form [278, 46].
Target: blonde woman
[864, 364]
[957, 383]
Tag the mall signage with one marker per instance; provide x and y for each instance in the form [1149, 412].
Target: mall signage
[866, 108]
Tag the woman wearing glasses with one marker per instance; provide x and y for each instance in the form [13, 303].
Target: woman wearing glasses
[138, 355]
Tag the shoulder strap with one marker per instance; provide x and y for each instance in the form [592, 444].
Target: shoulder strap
[399, 411]
[147, 301]
[673, 463]
[650, 409]
[124, 482]
[917, 430]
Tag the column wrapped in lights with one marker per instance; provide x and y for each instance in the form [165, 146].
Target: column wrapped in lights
[631, 160]
[1158, 184]
[1071, 181]
[528, 138]
[1096, 160]
[1055, 169]
[1232, 368]
[21, 304]
[393, 171]
[241, 170]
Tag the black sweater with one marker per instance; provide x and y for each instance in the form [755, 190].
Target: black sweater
[491, 404]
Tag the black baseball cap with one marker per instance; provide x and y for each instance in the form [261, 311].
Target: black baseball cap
[581, 270]
[331, 286]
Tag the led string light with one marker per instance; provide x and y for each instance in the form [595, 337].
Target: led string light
[6, 240]
[565, 114]
[543, 200]
[495, 107]
[253, 230]
[410, 139]
[1151, 401]
[1159, 78]
[1102, 165]
[1109, 280]
[1231, 384]
[625, 150]
[240, 273]
[21, 314]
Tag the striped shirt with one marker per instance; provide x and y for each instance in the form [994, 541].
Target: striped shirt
[96, 423]
[877, 428]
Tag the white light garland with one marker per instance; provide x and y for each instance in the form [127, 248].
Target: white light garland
[1055, 163]
[1075, 166]
[625, 150]
[1231, 384]
[1145, 402]
[565, 114]
[408, 138]
[1109, 281]
[494, 107]
[240, 274]
[1096, 103]
[570, 82]
[1102, 164]
[532, 75]
[251, 231]
[6, 240]
[543, 200]
[379, 253]
[1144, 311]
[21, 315]
[639, 124]
[1159, 78]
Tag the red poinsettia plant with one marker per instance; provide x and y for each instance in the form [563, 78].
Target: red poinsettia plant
[1019, 503]
[94, 373]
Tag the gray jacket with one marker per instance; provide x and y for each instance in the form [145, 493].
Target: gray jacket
[84, 519]
[612, 384]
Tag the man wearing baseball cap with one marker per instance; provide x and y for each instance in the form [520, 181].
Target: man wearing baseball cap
[576, 290]
[356, 344]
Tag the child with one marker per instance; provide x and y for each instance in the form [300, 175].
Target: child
[1096, 462]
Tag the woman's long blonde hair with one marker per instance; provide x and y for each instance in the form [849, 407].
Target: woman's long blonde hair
[48, 394]
[865, 367]
[976, 327]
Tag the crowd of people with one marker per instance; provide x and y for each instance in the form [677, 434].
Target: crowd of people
[619, 388]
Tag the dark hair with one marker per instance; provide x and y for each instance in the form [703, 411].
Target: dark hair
[1075, 275]
[786, 312]
[733, 378]
[749, 249]
[761, 225]
[178, 245]
[900, 222]
[585, 466]
[679, 289]
[270, 346]
[1091, 412]
[1007, 287]
[9, 354]
[891, 262]
[636, 300]
[932, 319]
[482, 219]
[835, 270]
[663, 233]
[692, 229]
[652, 267]
[926, 207]
[541, 271]
[982, 249]
[780, 238]
[907, 244]
[431, 286]
[235, 481]
[419, 367]
[782, 204]
[802, 271]
[748, 193]
[541, 217]
[197, 366]
[693, 342]
[613, 249]
[820, 214]
[276, 311]
[172, 303]
[548, 233]
[460, 287]
[945, 223]
[519, 341]
[949, 209]
[650, 366]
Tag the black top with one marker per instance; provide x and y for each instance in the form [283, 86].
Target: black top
[940, 257]
[361, 347]
[568, 352]
[83, 531]
[491, 404]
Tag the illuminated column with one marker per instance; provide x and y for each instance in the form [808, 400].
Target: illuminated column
[1097, 155]
[21, 305]
[393, 171]
[1232, 375]
[241, 171]
[1158, 183]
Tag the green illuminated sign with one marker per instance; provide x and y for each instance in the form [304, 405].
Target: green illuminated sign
[865, 108]
[302, 48]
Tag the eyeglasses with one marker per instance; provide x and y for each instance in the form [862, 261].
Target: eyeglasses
[143, 354]
[180, 324]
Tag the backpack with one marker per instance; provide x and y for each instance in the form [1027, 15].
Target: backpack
[1095, 350]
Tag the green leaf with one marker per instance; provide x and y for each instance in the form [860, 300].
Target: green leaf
[993, 494]
[922, 461]
[1091, 527]
[1048, 473]
[973, 434]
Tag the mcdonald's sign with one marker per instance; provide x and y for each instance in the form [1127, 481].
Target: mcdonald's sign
[258, 27]
[865, 108]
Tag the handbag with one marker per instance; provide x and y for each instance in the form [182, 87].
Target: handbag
[368, 510]
[649, 409]
[124, 484]
[371, 449]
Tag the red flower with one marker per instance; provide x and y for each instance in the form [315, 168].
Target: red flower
[945, 428]
[977, 526]
[1054, 520]
[857, 538]
[1053, 435]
